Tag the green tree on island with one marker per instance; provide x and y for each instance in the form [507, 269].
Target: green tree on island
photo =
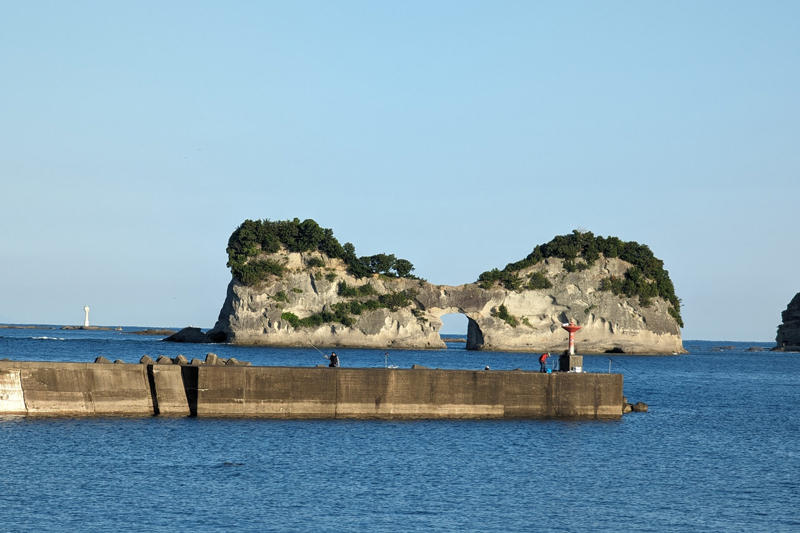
[646, 279]
[255, 237]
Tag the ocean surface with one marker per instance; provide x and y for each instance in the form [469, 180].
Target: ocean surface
[718, 450]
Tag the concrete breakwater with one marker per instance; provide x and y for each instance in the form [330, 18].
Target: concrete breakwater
[87, 389]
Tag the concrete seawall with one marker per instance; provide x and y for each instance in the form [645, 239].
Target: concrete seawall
[74, 389]
[89, 389]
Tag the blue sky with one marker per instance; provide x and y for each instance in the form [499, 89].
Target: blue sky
[135, 137]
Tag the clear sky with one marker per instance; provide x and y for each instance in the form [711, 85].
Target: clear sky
[136, 136]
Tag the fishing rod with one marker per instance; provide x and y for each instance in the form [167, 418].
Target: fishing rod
[323, 355]
[387, 360]
[334, 360]
[320, 351]
[627, 370]
[394, 367]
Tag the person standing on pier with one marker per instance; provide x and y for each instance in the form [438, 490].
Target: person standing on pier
[334, 360]
[543, 362]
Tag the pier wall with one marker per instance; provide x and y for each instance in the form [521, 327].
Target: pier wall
[90, 389]
[74, 389]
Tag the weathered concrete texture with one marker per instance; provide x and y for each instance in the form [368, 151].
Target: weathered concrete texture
[169, 393]
[74, 389]
[87, 389]
[788, 338]
[275, 392]
[280, 392]
[253, 315]
[77, 389]
[12, 400]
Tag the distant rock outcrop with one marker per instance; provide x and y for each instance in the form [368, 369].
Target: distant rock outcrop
[190, 334]
[158, 332]
[788, 338]
[302, 298]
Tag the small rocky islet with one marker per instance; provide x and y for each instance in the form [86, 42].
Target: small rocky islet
[788, 337]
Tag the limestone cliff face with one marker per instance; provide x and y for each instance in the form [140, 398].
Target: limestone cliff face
[788, 338]
[609, 322]
[528, 321]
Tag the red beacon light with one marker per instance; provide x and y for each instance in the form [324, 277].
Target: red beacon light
[572, 327]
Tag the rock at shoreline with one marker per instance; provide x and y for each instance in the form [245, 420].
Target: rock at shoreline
[102, 359]
[155, 332]
[190, 334]
[163, 360]
[146, 360]
[788, 338]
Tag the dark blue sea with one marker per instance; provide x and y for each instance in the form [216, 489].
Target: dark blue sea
[718, 451]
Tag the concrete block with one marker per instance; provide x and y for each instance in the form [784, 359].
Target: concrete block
[382, 393]
[528, 394]
[467, 394]
[12, 400]
[168, 390]
[70, 389]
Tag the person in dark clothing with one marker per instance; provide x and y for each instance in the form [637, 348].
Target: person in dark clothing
[334, 360]
[543, 362]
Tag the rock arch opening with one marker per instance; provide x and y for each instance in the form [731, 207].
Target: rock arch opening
[460, 330]
[454, 323]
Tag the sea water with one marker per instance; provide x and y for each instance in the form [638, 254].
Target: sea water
[717, 451]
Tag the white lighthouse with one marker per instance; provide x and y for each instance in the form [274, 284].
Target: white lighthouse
[86, 320]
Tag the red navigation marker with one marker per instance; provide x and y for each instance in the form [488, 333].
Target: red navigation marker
[572, 327]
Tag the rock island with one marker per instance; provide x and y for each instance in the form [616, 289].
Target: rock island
[788, 337]
[294, 284]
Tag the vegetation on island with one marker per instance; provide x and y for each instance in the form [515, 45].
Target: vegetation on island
[503, 314]
[280, 296]
[343, 289]
[256, 237]
[512, 281]
[342, 312]
[646, 278]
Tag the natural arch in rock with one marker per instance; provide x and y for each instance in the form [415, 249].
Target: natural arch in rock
[498, 319]
[454, 324]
